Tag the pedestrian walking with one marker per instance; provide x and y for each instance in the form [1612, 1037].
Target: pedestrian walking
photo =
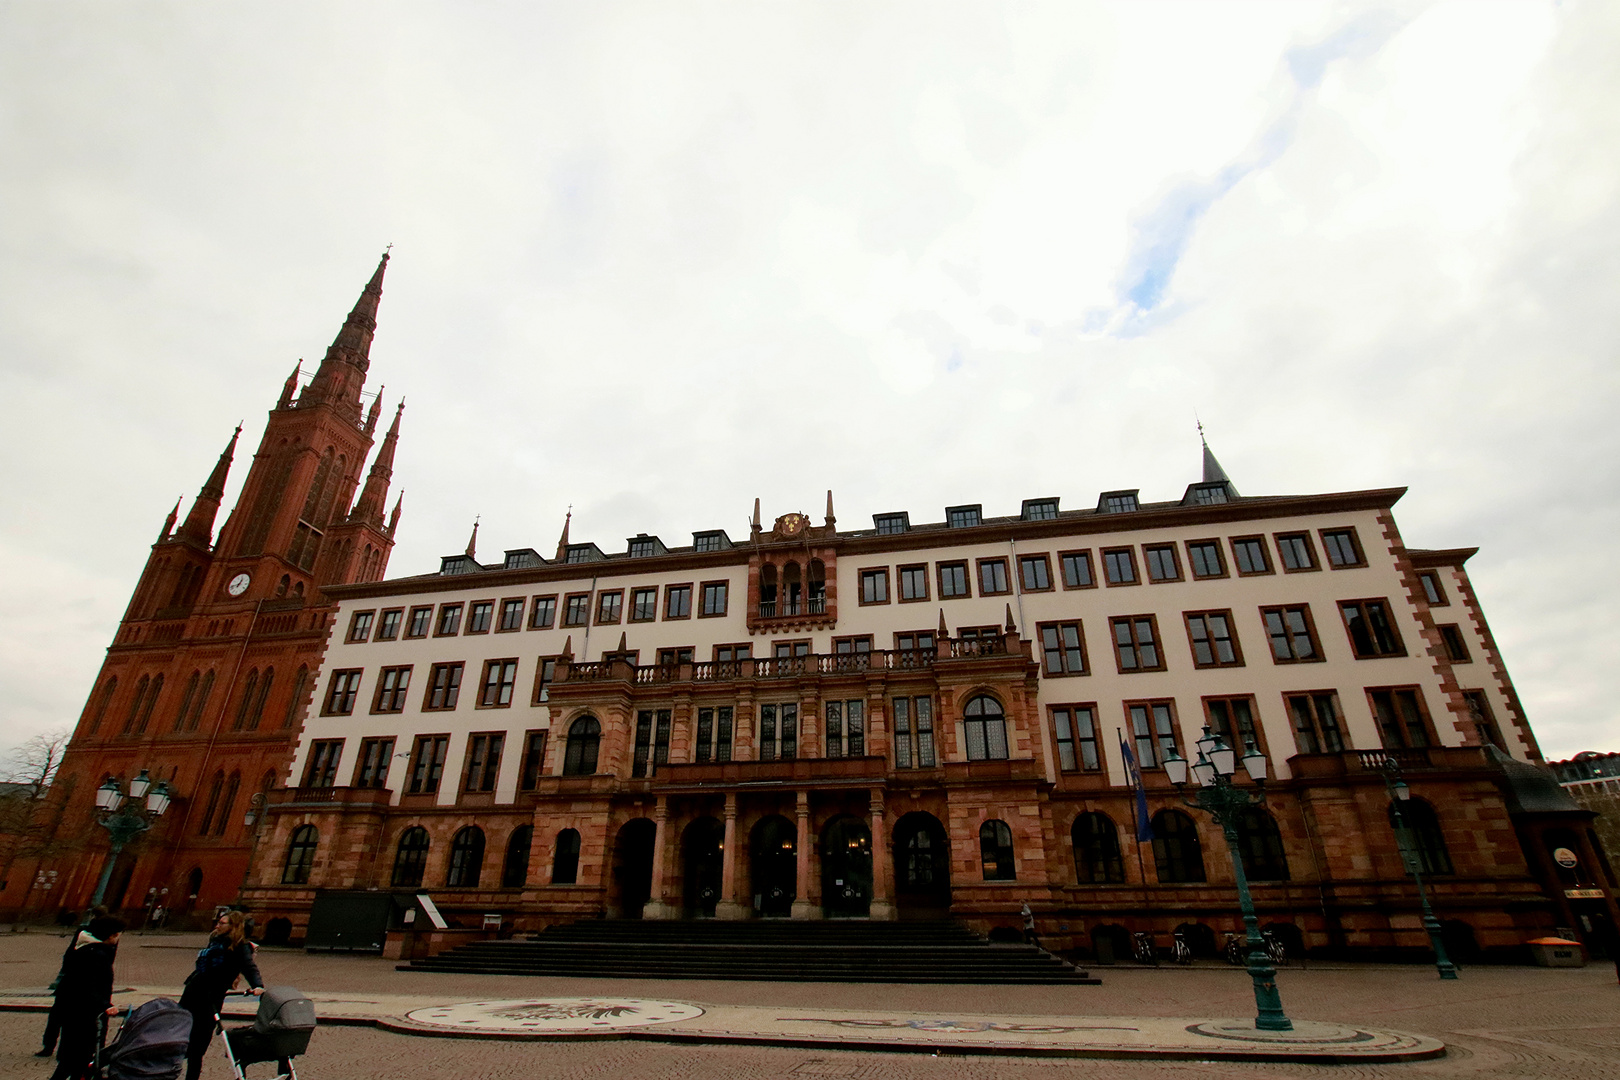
[227, 957]
[1029, 926]
[84, 996]
[53, 1019]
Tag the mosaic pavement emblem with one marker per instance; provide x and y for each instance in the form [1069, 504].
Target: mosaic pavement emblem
[554, 1016]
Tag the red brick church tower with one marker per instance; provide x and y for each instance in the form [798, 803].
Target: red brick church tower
[207, 677]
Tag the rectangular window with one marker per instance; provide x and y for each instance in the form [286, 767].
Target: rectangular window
[875, 586]
[427, 764]
[388, 626]
[449, 620]
[1249, 552]
[1136, 644]
[1292, 634]
[677, 601]
[483, 761]
[1317, 729]
[643, 549]
[1232, 718]
[714, 733]
[778, 732]
[1153, 726]
[890, 524]
[913, 732]
[913, 583]
[1342, 548]
[1123, 503]
[340, 698]
[730, 655]
[1205, 558]
[652, 741]
[576, 609]
[714, 599]
[1162, 564]
[1402, 720]
[360, 627]
[845, 723]
[376, 755]
[848, 646]
[511, 615]
[392, 685]
[643, 605]
[444, 687]
[913, 642]
[1120, 565]
[992, 577]
[1077, 570]
[543, 612]
[953, 580]
[1432, 590]
[499, 678]
[1074, 729]
[534, 760]
[609, 606]
[1296, 552]
[421, 618]
[1456, 647]
[479, 616]
[323, 762]
[962, 517]
[1214, 643]
[1063, 649]
[1040, 509]
[1372, 634]
[1035, 573]
[1479, 708]
[545, 671]
[668, 658]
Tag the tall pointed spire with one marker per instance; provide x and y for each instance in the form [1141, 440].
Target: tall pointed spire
[472, 541]
[343, 371]
[168, 522]
[754, 528]
[944, 630]
[1213, 473]
[374, 496]
[199, 524]
[831, 521]
[562, 541]
[393, 519]
[290, 387]
[375, 411]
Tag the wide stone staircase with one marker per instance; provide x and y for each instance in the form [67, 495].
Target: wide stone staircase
[772, 950]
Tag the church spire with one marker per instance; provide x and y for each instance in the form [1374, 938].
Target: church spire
[1213, 473]
[562, 541]
[472, 541]
[375, 411]
[369, 510]
[199, 524]
[291, 385]
[168, 522]
[393, 519]
[343, 371]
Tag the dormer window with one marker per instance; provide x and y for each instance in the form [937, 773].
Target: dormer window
[522, 558]
[582, 553]
[1208, 494]
[1118, 502]
[644, 547]
[715, 540]
[889, 524]
[1040, 509]
[457, 564]
[962, 517]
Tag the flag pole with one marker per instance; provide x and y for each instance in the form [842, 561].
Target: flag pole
[1133, 774]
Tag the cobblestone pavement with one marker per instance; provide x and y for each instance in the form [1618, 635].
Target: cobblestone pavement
[1498, 1022]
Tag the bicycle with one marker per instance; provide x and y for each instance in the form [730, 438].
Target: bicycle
[1237, 953]
[1180, 952]
[1142, 946]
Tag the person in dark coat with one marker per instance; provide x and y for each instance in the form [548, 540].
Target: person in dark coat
[227, 957]
[84, 996]
[53, 1019]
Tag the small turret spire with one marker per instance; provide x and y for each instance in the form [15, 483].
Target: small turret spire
[290, 387]
[168, 522]
[393, 519]
[1012, 627]
[1213, 473]
[472, 541]
[755, 528]
[376, 409]
[562, 541]
[944, 628]
[831, 520]
[199, 524]
[374, 496]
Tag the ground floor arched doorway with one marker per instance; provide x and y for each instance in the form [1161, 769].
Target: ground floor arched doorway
[703, 866]
[846, 868]
[922, 867]
[632, 868]
[773, 866]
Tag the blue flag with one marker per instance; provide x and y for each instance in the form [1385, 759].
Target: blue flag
[1133, 773]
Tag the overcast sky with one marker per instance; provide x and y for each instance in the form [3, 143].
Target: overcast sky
[655, 260]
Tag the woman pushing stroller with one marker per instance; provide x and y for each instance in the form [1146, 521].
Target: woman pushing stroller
[227, 956]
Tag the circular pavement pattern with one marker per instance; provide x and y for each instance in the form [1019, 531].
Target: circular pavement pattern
[552, 1016]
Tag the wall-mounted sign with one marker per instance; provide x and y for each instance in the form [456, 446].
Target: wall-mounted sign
[1565, 858]
[1584, 894]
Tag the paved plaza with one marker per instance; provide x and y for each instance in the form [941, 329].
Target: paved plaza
[1495, 1022]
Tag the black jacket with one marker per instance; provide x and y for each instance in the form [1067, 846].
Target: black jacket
[87, 977]
[218, 966]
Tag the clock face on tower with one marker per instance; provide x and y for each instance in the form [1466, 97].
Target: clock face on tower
[239, 584]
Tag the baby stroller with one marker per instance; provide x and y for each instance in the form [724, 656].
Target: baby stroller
[279, 1033]
[151, 1044]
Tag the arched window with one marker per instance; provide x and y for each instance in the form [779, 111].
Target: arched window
[246, 702]
[300, 684]
[151, 700]
[185, 701]
[986, 728]
[228, 803]
[1096, 850]
[996, 851]
[107, 691]
[411, 858]
[1261, 845]
[565, 863]
[1425, 841]
[584, 738]
[466, 858]
[515, 870]
[214, 791]
[202, 702]
[767, 590]
[1176, 853]
[300, 855]
[135, 703]
[258, 702]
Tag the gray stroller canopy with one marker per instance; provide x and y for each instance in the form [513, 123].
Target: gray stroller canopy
[152, 1043]
[283, 1008]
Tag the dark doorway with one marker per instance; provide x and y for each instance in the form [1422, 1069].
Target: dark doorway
[774, 866]
[704, 862]
[922, 867]
[1200, 939]
[846, 869]
[632, 867]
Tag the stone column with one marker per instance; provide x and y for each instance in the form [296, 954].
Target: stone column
[882, 865]
[728, 907]
[656, 907]
[803, 906]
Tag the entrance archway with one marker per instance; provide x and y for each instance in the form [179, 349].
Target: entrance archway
[846, 869]
[632, 868]
[703, 864]
[774, 866]
[922, 867]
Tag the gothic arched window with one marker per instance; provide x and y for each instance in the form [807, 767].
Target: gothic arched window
[300, 684]
[185, 701]
[410, 860]
[202, 701]
[214, 791]
[300, 855]
[565, 862]
[985, 727]
[466, 858]
[584, 739]
[135, 703]
[996, 851]
[257, 712]
[228, 803]
[1177, 855]
[246, 701]
[151, 700]
[1096, 850]
[107, 692]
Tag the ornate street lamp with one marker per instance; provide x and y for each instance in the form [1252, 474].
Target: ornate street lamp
[1222, 800]
[1399, 796]
[126, 816]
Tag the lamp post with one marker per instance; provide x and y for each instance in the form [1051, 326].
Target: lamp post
[125, 816]
[1399, 796]
[1222, 800]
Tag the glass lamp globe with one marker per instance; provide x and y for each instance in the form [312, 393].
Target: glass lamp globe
[157, 800]
[139, 785]
[107, 794]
